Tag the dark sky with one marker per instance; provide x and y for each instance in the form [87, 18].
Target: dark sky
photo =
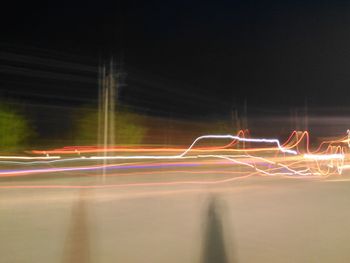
[274, 54]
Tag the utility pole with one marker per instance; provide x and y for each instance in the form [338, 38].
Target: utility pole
[245, 110]
[106, 104]
[306, 118]
[296, 117]
[111, 80]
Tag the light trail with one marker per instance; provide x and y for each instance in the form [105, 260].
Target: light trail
[30, 157]
[75, 150]
[5, 173]
[324, 156]
[291, 163]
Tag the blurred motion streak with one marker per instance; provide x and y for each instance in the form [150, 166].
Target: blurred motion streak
[293, 158]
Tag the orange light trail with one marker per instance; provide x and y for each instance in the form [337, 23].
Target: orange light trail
[291, 159]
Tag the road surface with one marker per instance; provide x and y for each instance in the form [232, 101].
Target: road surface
[174, 214]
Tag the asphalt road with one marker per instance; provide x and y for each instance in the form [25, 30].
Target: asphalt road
[254, 219]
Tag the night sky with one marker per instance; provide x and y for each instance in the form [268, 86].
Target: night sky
[189, 57]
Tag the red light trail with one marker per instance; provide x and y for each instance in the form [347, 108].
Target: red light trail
[292, 159]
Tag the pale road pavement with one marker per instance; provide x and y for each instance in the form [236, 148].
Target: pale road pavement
[256, 219]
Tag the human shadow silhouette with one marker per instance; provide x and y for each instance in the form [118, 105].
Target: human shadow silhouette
[215, 242]
[77, 245]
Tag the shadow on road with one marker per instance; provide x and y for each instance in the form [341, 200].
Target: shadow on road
[77, 249]
[215, 241]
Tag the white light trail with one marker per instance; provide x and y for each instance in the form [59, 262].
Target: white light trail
[324, 156]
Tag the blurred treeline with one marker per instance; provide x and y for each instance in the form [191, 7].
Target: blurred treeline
[16, 129]
[129, 127]
[133, 128]
[25, 126]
